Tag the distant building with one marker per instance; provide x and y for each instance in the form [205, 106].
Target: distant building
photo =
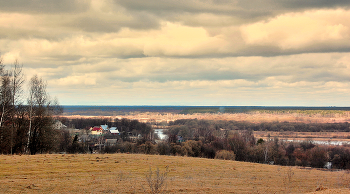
[104, 127]
[114, 131]
[97, 130]
[111, 142]
[59, 125]
[180, 139]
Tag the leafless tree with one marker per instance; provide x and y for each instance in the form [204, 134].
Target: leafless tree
[17, 80]
[5, 96]
[5, 103]
[24, 128]
[40, 122]
[41, 134]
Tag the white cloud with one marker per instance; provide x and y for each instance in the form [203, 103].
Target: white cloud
[195, 52]
[300, 30]
[89, 79]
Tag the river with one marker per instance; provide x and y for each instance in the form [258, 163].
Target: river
[160, 134]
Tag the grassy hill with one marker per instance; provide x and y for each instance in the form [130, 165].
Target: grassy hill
[126, 173]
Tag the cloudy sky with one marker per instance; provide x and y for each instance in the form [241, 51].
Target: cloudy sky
[183, 52]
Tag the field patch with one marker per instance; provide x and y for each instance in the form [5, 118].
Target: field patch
[127, 173]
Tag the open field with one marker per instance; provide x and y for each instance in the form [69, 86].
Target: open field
[126, 173]
[254, 117]
[302, 136]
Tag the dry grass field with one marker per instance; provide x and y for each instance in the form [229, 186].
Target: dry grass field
[254, 117]
[126, 173]
[302, 136]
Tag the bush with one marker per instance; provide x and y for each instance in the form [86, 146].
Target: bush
[192, 148]
[127, 147]
[301, 157]
[225, 155]
[318, 157]
[208, 151]
[146, 148]
[110, 149]
[176, 149]
[238, 146]
[163, 148]
[156, 181]
[340, 157]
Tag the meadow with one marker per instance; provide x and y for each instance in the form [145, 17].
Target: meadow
[304, 136]
[127, 173]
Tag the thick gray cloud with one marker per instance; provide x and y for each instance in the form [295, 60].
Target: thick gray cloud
[44, 6]
[313, 4]
[239, 8]
[208, 52]
[109, 23]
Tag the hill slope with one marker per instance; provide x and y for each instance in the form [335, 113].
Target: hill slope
[126, 173]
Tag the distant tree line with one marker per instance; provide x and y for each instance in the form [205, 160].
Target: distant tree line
[305, 111]
[204, 125]
[85, 123]
[211, 139]
[25, 128]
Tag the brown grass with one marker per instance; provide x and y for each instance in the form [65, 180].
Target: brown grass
[126, 173]
[301, 136]
[254, 117]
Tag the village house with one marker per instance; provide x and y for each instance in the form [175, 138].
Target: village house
[112, 136]
[114, 131]
[111, 142]
[59, 125]
[97, 130]
[104, 127]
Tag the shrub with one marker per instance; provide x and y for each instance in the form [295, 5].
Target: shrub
[163, 148]
[238, 146]
[110, 149]
[156, 181]
[208, 151]
[256, 153]
[318, 157]
[225, 155]
[176, 149]
[260, 141]
[301, 157]
[146, 148]
[192, 148]
[126, 147]
[340, 157]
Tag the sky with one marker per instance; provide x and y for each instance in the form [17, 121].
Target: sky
[182, 52]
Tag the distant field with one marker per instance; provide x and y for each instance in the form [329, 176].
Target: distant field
[126, 173]
[125, 110]
[301, 136]
[249, 114]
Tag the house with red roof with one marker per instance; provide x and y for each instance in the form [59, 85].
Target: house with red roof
[97, 130]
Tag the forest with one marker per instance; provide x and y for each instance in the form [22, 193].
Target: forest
[202, 125]
[226, 140]
[26, 122]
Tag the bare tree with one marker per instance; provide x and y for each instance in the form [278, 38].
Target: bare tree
[25, 128]
[5, 103]
[5, 95]
[37, 100]
[30, 104]
[41, 110]
[17, 80]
